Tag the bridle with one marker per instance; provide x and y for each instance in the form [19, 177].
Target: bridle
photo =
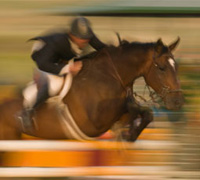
[165, 90]
[155, 97]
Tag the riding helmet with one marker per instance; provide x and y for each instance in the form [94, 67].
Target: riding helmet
[80, 27]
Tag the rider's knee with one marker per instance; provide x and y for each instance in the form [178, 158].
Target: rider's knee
[30, 95]
[55, 84]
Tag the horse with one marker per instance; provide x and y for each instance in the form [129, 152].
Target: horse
[100, 94]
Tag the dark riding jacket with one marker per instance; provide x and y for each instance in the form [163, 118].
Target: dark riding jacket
[57, 50]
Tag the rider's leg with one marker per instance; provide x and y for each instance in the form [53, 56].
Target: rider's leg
[35, 94]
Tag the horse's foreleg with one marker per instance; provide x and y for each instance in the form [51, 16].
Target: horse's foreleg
[140, 117]
[146, 117]
[119, 127]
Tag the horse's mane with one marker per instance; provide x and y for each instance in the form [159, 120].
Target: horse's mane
[127, 44]
[124, 44]
[93, 54]
[141, 45]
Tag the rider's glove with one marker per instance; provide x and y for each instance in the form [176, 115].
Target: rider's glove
[71, 67]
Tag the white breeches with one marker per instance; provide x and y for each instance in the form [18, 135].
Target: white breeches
[55, 84]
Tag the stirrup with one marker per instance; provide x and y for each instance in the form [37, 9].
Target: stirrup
[27, 122]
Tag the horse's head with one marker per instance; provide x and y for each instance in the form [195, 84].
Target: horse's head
[162, 75]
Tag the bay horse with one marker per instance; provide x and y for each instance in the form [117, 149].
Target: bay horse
[99, 98]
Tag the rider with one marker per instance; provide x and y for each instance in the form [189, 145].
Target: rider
[50, 53]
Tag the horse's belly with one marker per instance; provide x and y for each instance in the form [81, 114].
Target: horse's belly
[97, 118]
[48, 123]
[60, 123]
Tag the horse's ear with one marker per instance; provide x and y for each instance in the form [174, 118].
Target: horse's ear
[159, 46]
[174, 45]
[119, 38]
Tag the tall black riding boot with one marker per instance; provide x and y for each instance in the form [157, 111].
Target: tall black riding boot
[26, 115]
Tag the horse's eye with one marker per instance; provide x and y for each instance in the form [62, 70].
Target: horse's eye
[162, 68]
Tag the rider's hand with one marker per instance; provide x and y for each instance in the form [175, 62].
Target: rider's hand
[75, 67]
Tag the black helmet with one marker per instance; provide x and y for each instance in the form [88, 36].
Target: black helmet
[80, 27]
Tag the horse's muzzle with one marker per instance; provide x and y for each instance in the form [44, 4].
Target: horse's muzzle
[174, 101]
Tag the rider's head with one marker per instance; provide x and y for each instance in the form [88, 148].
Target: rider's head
[80, 31]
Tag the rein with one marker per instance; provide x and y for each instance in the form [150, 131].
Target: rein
[164, 91]
[117, 76]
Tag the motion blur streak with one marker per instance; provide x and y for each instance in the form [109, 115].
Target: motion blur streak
[171, 142]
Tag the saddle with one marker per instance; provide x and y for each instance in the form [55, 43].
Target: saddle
[70, 128]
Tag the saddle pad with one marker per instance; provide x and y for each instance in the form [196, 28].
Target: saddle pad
[70, 128]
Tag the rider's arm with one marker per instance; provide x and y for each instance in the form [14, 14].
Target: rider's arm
[96, 43]
[50, 56]
[45, 63]
[45, 60]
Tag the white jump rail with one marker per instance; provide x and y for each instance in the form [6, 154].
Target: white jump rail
[158, 172]
[55, 145]
[84, 171]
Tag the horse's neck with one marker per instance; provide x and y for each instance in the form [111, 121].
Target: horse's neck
[132, 65]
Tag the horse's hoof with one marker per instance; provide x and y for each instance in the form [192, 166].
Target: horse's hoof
[133, 137]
